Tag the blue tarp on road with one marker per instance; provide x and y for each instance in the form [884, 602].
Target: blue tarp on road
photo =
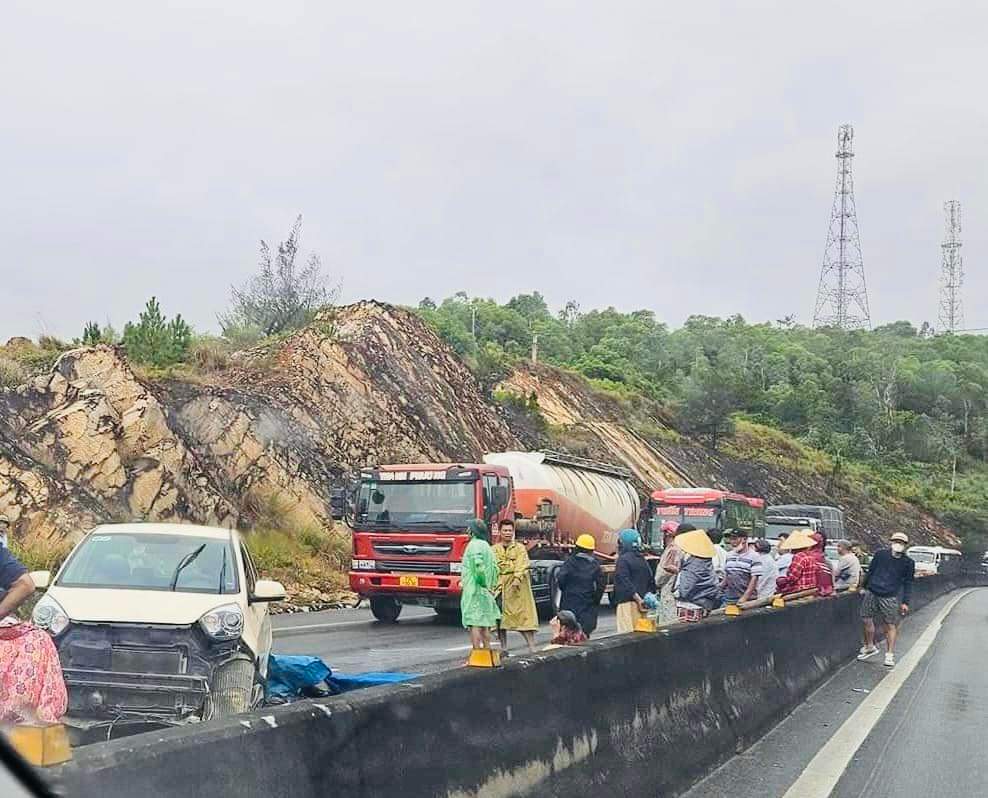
[293, 676]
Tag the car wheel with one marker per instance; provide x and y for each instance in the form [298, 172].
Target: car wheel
[233, 688]
[385, 610]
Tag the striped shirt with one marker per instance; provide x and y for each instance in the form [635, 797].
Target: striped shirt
[737, 572]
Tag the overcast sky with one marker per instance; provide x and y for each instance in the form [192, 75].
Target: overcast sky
[672, 156]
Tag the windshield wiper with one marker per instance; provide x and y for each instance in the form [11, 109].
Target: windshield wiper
[222, 572]
[437, 523]
[185, 561]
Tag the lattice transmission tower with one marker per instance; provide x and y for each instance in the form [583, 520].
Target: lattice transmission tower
[842, 298]
[952, 271]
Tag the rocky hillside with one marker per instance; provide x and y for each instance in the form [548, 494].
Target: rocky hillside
[90, 440]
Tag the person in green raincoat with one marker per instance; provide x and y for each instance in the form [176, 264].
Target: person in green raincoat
[478, 583]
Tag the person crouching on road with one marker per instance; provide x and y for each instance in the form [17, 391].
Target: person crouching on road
[582, 582]
[697, 591]
[888, 586]
[566, 630]
[515, 589]
[667, 570]
[477, 583]
[632, 580]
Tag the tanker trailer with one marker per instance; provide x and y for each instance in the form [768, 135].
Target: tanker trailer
[558, 497]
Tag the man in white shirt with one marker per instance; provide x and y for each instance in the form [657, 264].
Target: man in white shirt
[847, 574]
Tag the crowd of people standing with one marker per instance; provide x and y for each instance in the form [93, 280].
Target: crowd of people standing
[698, 571]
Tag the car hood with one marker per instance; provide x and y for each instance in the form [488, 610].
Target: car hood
[104, 605]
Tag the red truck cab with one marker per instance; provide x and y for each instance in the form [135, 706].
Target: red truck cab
[409, 527]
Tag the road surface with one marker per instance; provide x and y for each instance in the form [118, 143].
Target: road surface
[871, 732]
[351, 640]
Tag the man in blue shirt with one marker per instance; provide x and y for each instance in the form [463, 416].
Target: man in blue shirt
[887, 590]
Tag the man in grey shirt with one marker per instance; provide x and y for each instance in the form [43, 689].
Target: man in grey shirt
[847, 574]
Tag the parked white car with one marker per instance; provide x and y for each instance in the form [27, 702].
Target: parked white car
[159, 623]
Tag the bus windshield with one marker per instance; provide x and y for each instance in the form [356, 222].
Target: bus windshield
[698, 516]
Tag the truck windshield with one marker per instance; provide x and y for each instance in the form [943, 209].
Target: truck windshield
[150, 562]
[923, 556]
[415, 505]
[774, 528]
[700, 517]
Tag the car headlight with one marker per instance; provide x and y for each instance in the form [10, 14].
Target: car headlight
[49, 615]
[223, 623]
[363, 565]
[456, 568]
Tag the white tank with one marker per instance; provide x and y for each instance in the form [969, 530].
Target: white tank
[589, 497]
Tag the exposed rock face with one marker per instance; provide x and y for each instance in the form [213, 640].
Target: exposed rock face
[96, 431]
[90, 442]
[566, 401]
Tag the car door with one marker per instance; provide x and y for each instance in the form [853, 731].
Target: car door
[257, 620]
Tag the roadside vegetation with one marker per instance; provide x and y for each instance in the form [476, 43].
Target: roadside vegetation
[895, 409]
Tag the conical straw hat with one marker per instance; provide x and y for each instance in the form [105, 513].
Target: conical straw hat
[696, 543]
[799, 539]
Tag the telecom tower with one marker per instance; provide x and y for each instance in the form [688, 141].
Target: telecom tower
[952, 272]
[842, 298]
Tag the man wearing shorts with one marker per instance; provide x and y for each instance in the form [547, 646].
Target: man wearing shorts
[887, 589]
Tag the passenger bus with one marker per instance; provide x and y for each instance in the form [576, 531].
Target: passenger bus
[705, 508]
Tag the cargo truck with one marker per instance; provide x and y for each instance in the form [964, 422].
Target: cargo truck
[409, 522]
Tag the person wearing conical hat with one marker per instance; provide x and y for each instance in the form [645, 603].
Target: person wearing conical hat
[696, 589]
[803, 570]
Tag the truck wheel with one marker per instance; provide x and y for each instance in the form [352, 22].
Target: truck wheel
[385, 610]
[449, 615]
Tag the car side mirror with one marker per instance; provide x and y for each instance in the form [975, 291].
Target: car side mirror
[41, 579]
[337, 504]
[267, 590]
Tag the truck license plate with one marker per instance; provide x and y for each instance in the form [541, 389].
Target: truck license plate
[408, 581]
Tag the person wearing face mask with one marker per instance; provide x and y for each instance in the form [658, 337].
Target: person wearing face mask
[887, 590]
[740, 578]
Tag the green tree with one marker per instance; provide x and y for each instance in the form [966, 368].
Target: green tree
[707, 403]
[92, 334]
[156, 341]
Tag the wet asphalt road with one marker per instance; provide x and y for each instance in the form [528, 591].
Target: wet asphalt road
[929, 742]
[352, 641]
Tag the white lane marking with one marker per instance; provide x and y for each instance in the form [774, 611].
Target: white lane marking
[826, 768]
[317, 626]
[459, 648]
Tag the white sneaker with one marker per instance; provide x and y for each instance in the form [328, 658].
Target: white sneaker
[866, 652]
[890, 660]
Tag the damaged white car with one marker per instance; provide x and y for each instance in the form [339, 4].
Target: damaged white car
[158, 624]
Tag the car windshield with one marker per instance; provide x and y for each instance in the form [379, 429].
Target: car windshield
[923, 556]
[152, 562]
[394, 505]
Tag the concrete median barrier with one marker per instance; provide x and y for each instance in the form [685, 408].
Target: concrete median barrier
[643, 714]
